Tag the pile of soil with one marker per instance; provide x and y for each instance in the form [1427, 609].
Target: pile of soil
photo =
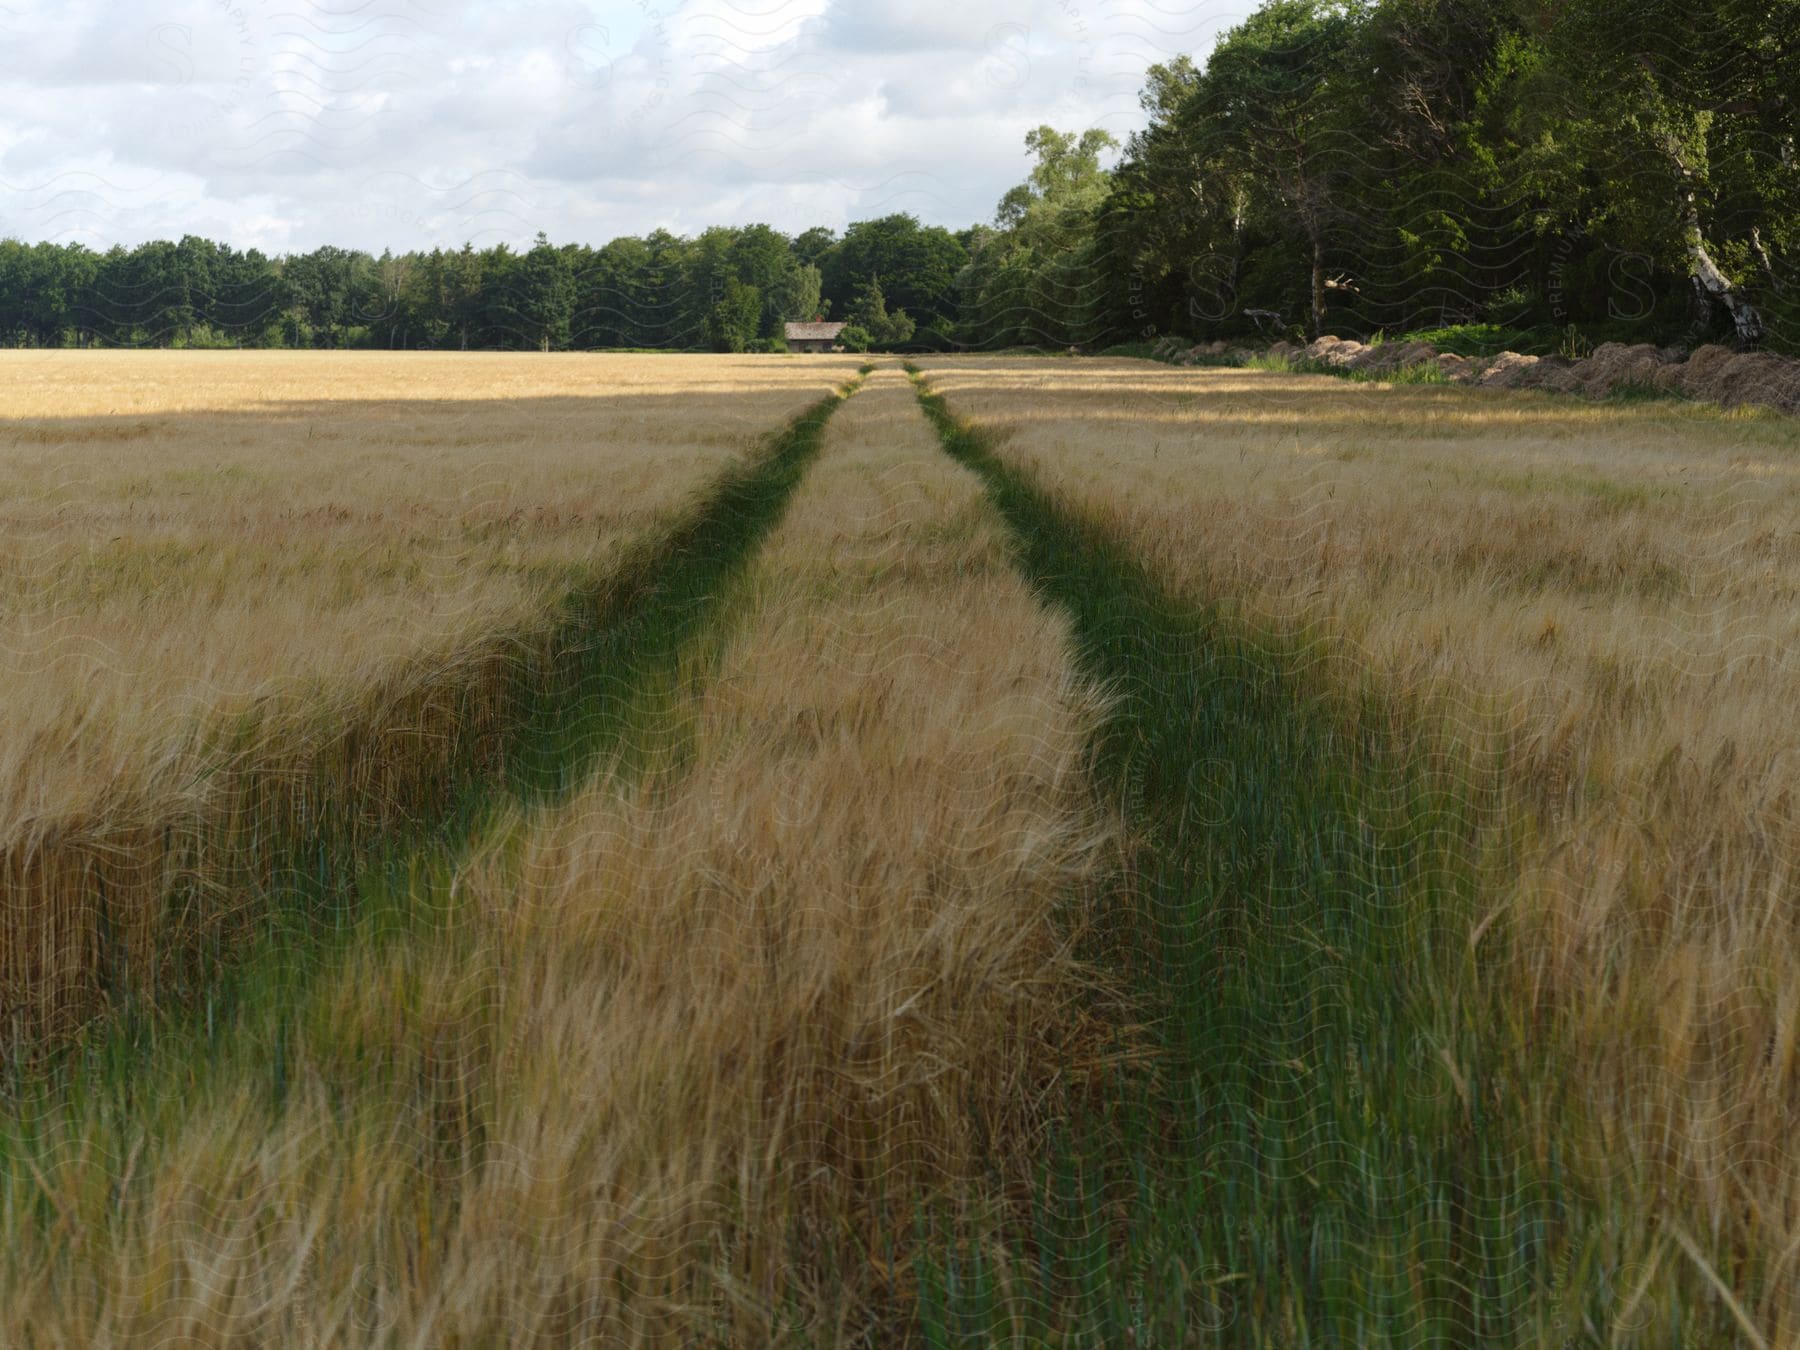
[1714, 374]
[1176, 352]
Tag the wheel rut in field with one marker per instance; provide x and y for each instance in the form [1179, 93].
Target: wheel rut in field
[1325, 1131]
[857, 874]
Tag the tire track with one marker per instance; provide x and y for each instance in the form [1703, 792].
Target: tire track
[1329, 1145]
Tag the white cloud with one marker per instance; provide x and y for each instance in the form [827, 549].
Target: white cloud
[283, 124]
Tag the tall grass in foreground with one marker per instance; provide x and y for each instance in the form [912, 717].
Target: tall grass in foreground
[1350, 1136]
[253, 621]
[682, 1058]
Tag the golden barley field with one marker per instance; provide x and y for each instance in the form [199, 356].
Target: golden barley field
[1007, 850]
[874, 819]
[222, 575]
[1594, 608]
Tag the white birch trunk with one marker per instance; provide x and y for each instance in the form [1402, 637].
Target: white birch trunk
[1704, 270]
[1701, 267]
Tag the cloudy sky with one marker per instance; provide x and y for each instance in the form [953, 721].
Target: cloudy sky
[284, 124]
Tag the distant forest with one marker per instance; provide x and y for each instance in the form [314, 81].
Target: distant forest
[1619, 168]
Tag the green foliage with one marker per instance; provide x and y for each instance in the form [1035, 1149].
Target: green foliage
[545, 297]
[1422, 373]
[795, 297]
[1573, 346]
[1281, 365]
[1429, 164]
[869, 314]
[854, 338]
[1035, 280]
[1480, 339]
[1143, 351]
[1066, 183]
[732, 324]
[810, 245]
[203, 336]
[917, 266]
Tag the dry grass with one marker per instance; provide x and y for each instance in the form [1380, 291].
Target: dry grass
[1596, 611]
[240, 591]
[703, 1041]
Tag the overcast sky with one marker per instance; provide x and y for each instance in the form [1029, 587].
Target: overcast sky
[284, 124]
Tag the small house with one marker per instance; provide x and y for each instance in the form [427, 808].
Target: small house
[812, 337]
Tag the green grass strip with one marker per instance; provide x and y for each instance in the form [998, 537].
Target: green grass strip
[1335, 1143]
[587, 703]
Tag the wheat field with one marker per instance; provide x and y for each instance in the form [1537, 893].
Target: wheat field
[795, 845]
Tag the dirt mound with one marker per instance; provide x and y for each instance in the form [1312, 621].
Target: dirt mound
[1176, 351]
[1335, 351]
[1387, 357]
[1615, 363]
[1509, 370]
[1349, 354]
[1378, 358]
[1557, 374]
[1516, 370]
[1729, 378]
[1714, 374]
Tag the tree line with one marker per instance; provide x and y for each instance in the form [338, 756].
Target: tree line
[728, 289]
[1616, 168]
